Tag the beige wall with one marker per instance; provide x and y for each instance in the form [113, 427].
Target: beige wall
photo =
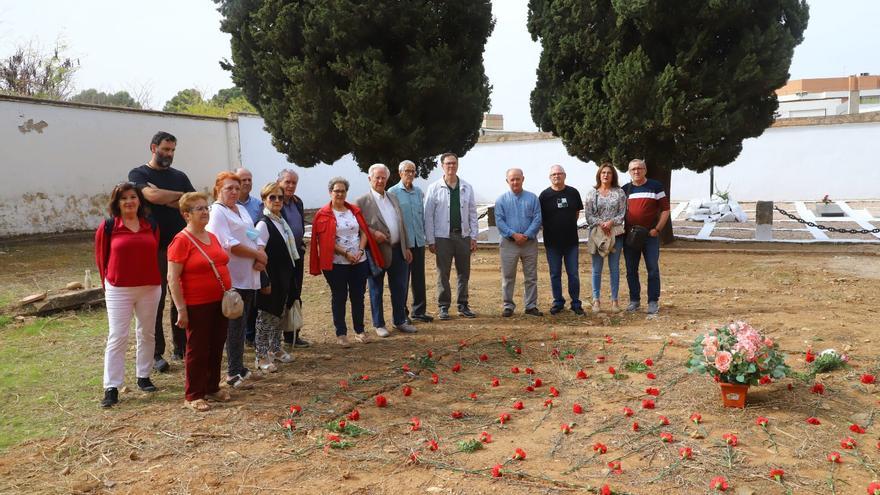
[59, 161]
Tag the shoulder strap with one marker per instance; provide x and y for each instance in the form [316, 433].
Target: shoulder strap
[210, 261]
[108, 232]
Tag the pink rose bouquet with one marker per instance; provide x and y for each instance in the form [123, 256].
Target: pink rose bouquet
[737, 353]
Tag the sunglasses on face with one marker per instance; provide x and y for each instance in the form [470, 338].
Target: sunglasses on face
[274, 197]
[339, 191]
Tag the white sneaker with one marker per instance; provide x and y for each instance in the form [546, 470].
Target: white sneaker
[382, 332]
[283, 357]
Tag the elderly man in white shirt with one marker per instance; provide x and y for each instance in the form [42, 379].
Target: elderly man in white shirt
[451, 231]
[385, 220]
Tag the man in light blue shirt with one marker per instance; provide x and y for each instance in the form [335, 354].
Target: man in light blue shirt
[518, 217]
[253, 205]
[411, 200]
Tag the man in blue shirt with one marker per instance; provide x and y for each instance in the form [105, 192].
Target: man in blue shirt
[518, 217]
[253, 205]
[411, 200]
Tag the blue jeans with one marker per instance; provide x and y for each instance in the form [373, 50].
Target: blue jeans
[651, 253]
[613, 270]
[556, 256]
[347, 282]
[398, 276]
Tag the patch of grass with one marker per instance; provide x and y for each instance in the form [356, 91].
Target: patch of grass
[5, 320]
[50, 374]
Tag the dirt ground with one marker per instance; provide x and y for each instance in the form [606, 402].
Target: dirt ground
[819, 296]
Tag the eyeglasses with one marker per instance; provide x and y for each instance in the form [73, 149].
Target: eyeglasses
[408, 171]
[274, 197]
[638, 169]
[198, 208]
[339, 191]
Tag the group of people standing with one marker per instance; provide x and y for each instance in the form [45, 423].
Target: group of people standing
[611, 212]
[163, 236]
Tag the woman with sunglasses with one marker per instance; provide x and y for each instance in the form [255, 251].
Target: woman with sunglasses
[339, 236]
[126, 247]
[280, 244]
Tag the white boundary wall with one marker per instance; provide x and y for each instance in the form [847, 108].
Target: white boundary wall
[58, 179]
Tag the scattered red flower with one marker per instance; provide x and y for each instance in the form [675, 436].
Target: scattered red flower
[430, 353]
[288, 424]
[555, 352]
[566, 428]
[663, 420]
[648, 404]
[457, 414]
[569, 356]
[519, 454]
[817, 388]
[874, 488]
[856, 429]
[495, 382]
[343, 384]
[496, 471]
[514, 370]
[407, 390]
[530, 371]
[435, 379]
[666, 437]
[405, 368]
[635, 426]
[295, 409]
[365, 377]
[332, 437]
[548, 403]
[615, 467]
[600, 448]
[485, 437]
[530, 388]
[652, 391]
[577, 409]
[611, 370]
[518, 350]
[649, 362]
[484, 357]
[685, 453]
[764, 380]
[473, 396]
[777, 474]
[581, 375]
[608, 339]
[432, 445]
[697, 418]
[342, 424]
[605, 490]
[650, 376]
[761, 421]
[503, 418]
[518, 405]
[730, 439]
[719, 483]
[833, 457]
[462, 344]
[554, 392]
[627, 411]
[813, 421]
[554, 336]
[537, 383]
[868, 379]
[354, 415]
[848, 443]
[809, 356]
[381, 401]
[415, 424]
[600, 359]
[456, 367]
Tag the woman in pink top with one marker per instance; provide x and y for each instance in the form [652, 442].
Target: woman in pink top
[126, 246]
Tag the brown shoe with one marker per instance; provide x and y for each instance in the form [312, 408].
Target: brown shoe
[221, 395]
[198, 405]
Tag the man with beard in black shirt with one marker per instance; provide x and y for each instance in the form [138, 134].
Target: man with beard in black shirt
[560, 207]
[162, 187]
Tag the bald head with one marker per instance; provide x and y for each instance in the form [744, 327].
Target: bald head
[515, 180]
[247, 182]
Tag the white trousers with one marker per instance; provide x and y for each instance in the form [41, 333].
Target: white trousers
[122, 303]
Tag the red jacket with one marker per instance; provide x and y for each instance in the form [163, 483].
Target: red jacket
[324, 239]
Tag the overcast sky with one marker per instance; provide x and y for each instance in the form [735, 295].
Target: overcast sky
[164, 46]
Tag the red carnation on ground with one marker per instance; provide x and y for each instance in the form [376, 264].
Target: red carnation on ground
[650, 376]
[537, 383]
[295, 409]
[530, 388]
[648, 404]
[354, 415]
[809, 356]
[554, 336]
[777, 474]
[432, 445]
[611, 370]
[484, 357]
[435, 379]
[813, 421]
[874, 488]
[519, 454]
[600, 359]
[514, 370]
[503, 418]
[608, 339]
[518, 350]
[627, 411]
[485, 437]
[473, 396]
[554, 392]
[663, 420]
[833, 457]
[697, 418]
[652, 391]
[856, 429]
[430, 353]
[566, 428]
[685, 453]
[635, 426]
[462, 344]
[581, 375]
[457, 414]
[730, 439]
[718, 483]
[764, 380]
[761, 421]
[605, 490]
[518, 405]
[548, 403]
[407, 390]
[868, 379]
[456, 367]
[343, 384]
[666, 437]
[365, 377]
[405, 368]
[530, 371]
[615, 467]
[555, 352]
[288, 424]
[600, 448]
[577, 409]
[332, 437]
[496, 471]
[848, 443]
[415, 424]
[381, 401]
[817, 388]
[495, 382]
[341, 424]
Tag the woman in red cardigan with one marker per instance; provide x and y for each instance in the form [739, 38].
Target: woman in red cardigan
[126, 247]
[339, 238]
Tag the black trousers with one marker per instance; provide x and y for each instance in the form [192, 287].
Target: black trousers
[296, 289]
[178, 335]
[417, 281]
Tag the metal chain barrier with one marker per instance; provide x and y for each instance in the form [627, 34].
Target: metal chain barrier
[825, 227]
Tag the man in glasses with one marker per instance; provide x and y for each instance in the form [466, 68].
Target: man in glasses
[411, 200]
[162, 187]
[648, 206]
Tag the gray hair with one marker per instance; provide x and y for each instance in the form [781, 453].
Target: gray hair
[557, 166]
[377, 166]
[285, 172]
[405, 163]
[637, 161]
[337, 180]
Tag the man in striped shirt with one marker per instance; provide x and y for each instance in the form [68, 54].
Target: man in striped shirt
[648, 206]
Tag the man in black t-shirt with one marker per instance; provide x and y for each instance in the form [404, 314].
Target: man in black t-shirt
[560, 207]
[162, 187]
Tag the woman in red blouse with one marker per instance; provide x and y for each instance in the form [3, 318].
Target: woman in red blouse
[197, 293]
[125, 252]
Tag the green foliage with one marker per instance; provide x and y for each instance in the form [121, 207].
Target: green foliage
[635, 367]
[469, 446]
[681, 85]
[226, 101]
[350, 429]
[183, 99]
[826, 362]
[427, 363]
[749, 356]
[95, 97]
[30, 72]
[384, 80]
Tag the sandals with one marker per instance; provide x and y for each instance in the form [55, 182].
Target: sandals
[198, 405]
[362, 337]
[342, 340]
[221, 395]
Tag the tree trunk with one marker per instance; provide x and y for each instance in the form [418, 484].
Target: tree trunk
[665, 177]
